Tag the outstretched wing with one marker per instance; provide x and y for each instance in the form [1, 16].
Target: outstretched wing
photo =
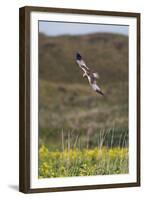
[84, 67]
[81, 63]
[92, 76]
[96, 75]
[93, 83]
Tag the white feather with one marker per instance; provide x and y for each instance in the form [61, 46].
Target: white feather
[96, 75]
[94, 85]
[81, 63]
[91, 77]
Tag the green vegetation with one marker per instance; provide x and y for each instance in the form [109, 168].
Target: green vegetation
[73, 119]
[82, 163]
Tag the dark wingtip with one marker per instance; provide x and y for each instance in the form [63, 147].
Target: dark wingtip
[100, 92]
[78, 56]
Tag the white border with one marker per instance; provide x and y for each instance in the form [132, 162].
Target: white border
[92, 180]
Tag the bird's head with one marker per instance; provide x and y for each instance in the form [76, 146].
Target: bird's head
[78, 56]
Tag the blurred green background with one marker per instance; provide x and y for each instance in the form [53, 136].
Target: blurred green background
[68, 107]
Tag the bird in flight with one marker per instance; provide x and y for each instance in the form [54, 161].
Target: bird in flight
[91, 76]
